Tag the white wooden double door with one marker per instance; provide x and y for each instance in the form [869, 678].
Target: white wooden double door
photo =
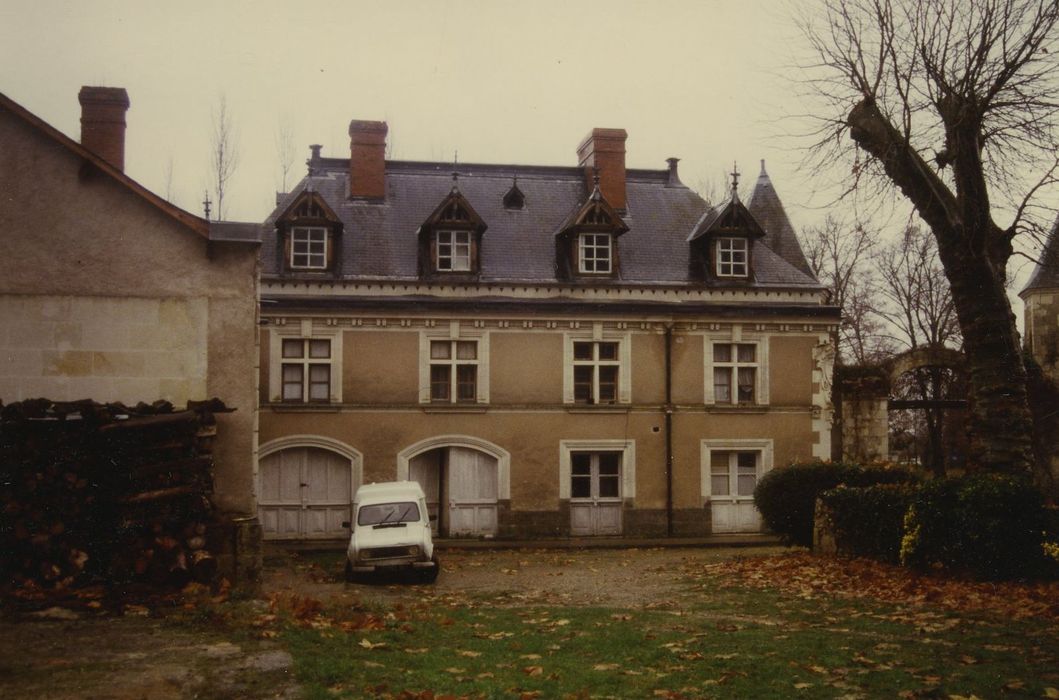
[305, 493]
[733, 477]
[466, 481]
[595, 493]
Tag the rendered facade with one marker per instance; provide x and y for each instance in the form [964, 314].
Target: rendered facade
[550, 351]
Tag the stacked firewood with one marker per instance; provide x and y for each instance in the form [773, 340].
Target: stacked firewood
[95, 492]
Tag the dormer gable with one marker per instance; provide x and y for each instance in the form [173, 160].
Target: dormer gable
[586, 242]
[450, 239]
[308, 234]
[722, 244]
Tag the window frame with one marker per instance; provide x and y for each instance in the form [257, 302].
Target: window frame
[627, 463]
[762, 447]
[324, 254]
[454, 332]
[452, 364]
[452, 245]
[305, 330]
[597, 335]
[583, 246]
[720, 252]
[761, 365]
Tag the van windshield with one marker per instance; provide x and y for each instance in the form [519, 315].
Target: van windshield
[387, 513]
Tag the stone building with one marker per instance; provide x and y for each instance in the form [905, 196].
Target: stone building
[1040, 297]
[551, 351]
[110, 293]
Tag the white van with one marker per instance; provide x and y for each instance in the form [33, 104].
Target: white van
[391, 532]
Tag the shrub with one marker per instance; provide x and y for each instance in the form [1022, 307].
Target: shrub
[787, 497]
[868, 521]
[988, 525]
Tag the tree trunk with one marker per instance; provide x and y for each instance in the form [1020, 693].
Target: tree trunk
[1000, 427]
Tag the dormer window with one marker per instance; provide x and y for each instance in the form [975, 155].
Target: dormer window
[453, 251]
[514, 199]
[594, 253]
[308, 248]
[732, 258]
[450, 240]
[309, 234]
[587, 241]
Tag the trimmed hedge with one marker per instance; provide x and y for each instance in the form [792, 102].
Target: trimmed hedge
[868, 521]
[988, 525]
[787, 497]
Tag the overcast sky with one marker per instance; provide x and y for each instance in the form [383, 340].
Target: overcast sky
[707, 81]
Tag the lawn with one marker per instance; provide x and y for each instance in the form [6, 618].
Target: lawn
[754, 627]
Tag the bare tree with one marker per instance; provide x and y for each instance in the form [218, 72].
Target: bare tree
[914, 295]
[224, 154]
[839, 256]
[952, 103]
[285, 149]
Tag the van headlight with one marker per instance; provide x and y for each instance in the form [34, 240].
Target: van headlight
[413, 550]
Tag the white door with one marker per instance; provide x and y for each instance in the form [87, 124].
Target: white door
[733, 476]
[472, 493]
[595, 493]
[305, 492]
[426, 469]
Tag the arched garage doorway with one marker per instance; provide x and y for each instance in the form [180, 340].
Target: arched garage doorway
[464, 479]
[305, 487]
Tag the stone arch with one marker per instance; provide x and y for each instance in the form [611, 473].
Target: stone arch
[502, 456]
[924, 356]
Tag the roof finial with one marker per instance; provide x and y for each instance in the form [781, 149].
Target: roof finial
[735, 181]
[455, 170]
[595, 176]
[763, 167]
[206, 204]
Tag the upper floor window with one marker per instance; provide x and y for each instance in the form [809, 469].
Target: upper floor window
[308, 234]
[453, 371]
[732, 258]
[308, 249]
[594, 253]
[450, 240]
[454, 251]
[306, 369]
[596, 372]
[735, 373]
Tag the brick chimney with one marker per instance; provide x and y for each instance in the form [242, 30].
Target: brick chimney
[103, 122]
[604, 149]
[367, 159]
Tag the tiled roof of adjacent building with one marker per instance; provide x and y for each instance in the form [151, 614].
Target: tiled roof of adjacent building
[1046, 273]
[379, 239]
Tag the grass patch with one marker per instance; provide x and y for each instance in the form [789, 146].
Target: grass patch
[725, 643]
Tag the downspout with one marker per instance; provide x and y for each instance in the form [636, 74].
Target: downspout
[669, 429]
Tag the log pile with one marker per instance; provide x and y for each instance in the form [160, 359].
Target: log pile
[106, 493]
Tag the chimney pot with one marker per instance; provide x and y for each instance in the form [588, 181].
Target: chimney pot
[604, 150]
[367, 159]
[315, 150]
[674, 178]
[103, 122]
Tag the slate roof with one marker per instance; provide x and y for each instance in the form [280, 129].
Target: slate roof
[379, 239]
[1046, 273]
[767, 209]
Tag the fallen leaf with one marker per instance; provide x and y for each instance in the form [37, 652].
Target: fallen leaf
[533, 670]
[469, 654]
[803, 686]
[453, 669]
[1051, 693]
[368, 644]
[606, 667]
